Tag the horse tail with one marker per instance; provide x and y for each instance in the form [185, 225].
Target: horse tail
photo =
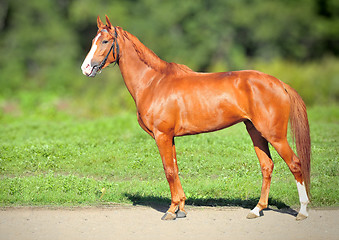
[300, 134]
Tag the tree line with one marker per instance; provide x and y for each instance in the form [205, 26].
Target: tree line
[42, 43]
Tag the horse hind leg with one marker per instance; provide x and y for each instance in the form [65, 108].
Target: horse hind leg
[293, 162]
[266, 165]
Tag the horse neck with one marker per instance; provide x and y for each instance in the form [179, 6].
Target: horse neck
[139, 66]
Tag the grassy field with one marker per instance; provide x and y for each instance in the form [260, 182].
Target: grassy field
[68, 161]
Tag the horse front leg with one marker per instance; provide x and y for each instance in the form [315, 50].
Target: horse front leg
[165, 144]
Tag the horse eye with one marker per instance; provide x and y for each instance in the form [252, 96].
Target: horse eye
[105, 41]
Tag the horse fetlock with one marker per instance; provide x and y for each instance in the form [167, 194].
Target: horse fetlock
[182, 204]
[174, 207]
[262, 206]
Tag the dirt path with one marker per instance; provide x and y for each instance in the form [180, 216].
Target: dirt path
[144, 223]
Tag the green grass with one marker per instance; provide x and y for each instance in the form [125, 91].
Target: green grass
[63, 160]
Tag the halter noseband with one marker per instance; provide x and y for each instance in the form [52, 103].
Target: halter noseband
[115, 54]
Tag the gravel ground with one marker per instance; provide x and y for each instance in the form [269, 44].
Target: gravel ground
[134, 222]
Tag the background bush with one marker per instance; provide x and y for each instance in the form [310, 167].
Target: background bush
[43, 43]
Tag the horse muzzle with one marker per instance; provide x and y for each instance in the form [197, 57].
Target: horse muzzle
[90, 71]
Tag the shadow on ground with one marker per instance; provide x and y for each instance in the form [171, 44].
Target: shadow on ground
[161, 204]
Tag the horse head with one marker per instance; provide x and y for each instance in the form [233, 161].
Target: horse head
[103, 44]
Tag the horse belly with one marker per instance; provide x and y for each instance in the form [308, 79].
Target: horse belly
[207, 115]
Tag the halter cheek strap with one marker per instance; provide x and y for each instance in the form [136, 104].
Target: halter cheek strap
[115, 46]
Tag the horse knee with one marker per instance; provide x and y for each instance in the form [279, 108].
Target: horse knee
[267, 170]
[170, 174]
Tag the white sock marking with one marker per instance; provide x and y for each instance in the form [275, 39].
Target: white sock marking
[303, 198]
[256, 211]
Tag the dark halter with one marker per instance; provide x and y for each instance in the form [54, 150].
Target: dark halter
[115, 53]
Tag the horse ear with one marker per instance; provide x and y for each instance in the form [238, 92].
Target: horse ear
[108, 23]
[99, 22]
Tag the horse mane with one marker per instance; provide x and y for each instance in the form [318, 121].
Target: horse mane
[148, 57]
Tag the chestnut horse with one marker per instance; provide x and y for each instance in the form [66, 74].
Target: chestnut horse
[172, 100]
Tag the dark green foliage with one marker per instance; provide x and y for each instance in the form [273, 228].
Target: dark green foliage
[42, 45]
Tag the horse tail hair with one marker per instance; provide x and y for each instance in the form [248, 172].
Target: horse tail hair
[300, 132]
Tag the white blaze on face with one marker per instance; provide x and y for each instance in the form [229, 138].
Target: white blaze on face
[86, 66]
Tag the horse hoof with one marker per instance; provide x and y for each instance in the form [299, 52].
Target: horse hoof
[300, 217]
[181, 214]
[169, 216]
[251, 216]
